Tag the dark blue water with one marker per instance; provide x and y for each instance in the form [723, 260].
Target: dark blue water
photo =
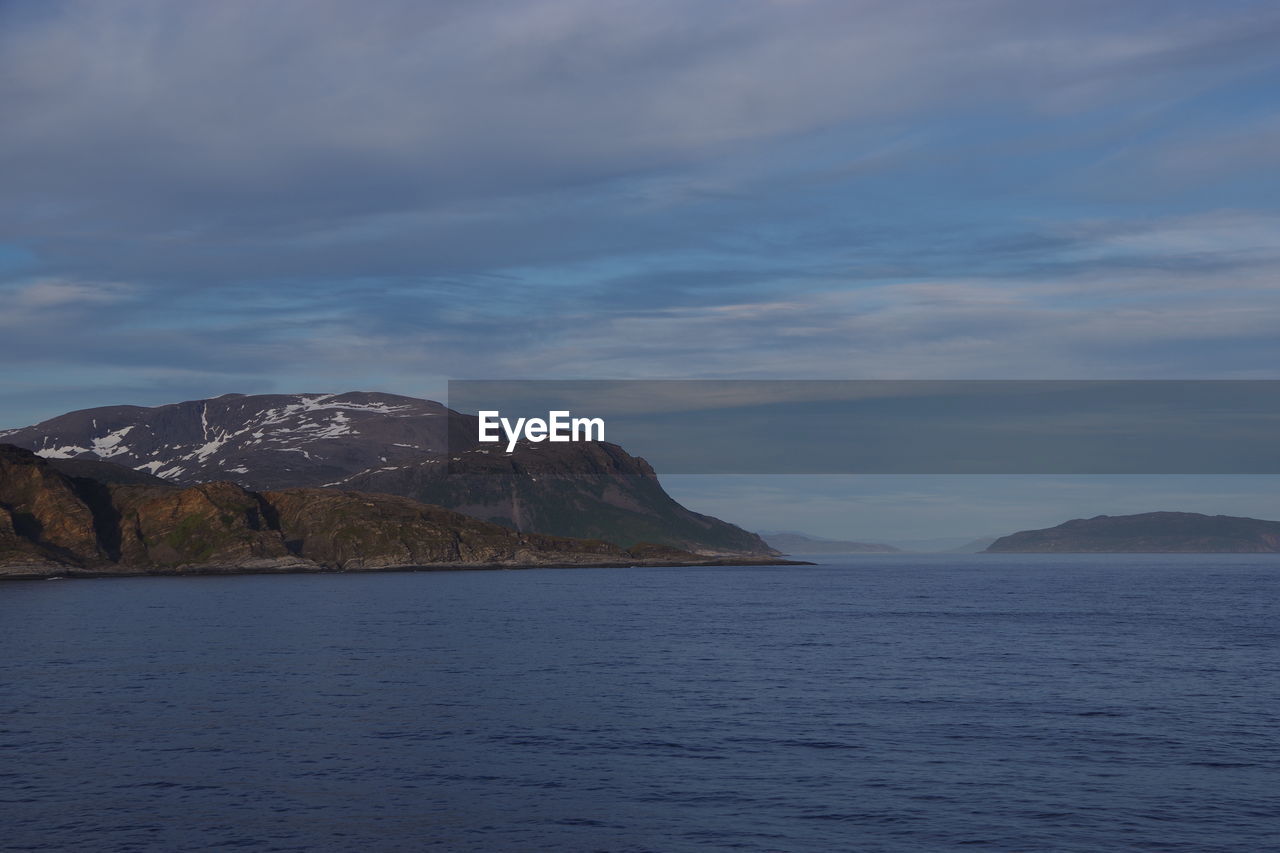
[903, 703]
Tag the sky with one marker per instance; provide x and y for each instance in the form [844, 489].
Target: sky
[319, 195]
[909, 508]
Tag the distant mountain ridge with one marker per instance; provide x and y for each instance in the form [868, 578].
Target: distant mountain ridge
[945, 544]
[1151, 532]
[389, 443]
[800, 543]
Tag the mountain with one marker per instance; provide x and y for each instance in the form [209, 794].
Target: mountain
[803, 541]
[398, 445]
[800, 543]
[55, 523]
[1151, 532]
[946, 544]
[589, 490]
[265, 441]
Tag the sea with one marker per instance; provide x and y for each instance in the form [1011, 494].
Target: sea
[868, 703]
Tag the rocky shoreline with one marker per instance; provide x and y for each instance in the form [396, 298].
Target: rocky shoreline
[55, 524]
[38, 572]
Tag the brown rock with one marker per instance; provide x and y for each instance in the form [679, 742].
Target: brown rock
[51, 523]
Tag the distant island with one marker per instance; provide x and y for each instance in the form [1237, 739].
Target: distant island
[1150, 532]
[63, 518]
[945, 544]
[800, 543]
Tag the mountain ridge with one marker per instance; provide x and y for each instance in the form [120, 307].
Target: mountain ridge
[790, 542]
[53, 524]
[380, 442]
[1151, 532]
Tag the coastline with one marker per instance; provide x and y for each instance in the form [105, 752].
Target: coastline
[19, 573]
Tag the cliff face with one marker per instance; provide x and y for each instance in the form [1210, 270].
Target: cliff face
[1152, 532]
[42, 513]
[58, 521]
[587, 491]
[208, 524]
[388, 443]
[52, 523]
[357, 530]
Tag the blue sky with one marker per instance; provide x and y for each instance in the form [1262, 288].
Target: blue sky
[199, 198]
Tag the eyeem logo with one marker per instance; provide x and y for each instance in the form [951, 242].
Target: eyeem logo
[559, 426]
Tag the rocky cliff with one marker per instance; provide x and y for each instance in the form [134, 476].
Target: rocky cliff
[54, 523]
[593, 491]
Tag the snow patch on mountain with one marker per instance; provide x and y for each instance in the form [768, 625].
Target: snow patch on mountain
[206, 450]
[109, 445]
[66, 451]
[245, 436]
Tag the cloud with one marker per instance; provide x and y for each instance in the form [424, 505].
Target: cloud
[1179, 297]
[399, 191]
[239, 120]
[53, 293]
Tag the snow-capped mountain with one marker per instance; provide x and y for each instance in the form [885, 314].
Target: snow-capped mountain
[397, 445]
[259, 441]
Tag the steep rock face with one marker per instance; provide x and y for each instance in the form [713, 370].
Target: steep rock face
[586, 491]
[17, 550]
[388, 443]
[53, 524]
[208, 524]
[86, 523]
[44, 509]
[1151, 532]
[360, 530]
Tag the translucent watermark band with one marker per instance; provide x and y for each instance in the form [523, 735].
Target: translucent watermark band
[901, 426]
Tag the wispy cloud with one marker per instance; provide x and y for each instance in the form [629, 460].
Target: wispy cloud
[399, 191]
[45, 294]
